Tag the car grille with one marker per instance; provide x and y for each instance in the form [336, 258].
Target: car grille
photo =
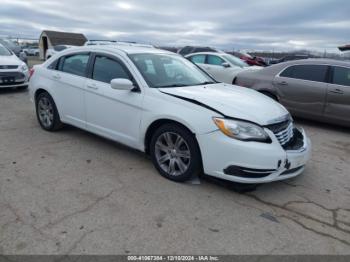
[283, 131]
[8, 66]
[11, 78]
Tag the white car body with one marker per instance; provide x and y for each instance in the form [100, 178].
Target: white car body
[227, 70]
[126, 116]
[13, 71]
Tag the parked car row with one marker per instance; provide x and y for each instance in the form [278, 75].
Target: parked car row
[311, 88]
[166, 106]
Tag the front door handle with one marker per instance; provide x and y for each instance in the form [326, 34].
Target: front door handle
[92, 86]
[337, 91]
[283, 83]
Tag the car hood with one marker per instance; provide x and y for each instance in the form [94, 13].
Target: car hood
[232, 101]
[10, 60]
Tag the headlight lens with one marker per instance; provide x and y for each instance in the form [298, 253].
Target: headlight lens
[24, 67]
[241, 130]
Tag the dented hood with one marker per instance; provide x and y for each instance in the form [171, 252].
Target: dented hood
[232, 101]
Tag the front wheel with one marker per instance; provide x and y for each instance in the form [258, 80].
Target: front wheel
[175, 152]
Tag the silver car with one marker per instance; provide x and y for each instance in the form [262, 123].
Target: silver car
[318, 89]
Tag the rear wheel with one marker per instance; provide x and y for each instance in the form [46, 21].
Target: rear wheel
[175, 152]
[47, 113]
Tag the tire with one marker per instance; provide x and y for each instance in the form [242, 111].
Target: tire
[272, 96]
[46, 112]
[166, 155]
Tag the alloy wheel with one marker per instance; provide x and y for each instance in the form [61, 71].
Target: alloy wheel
[172, 153]
[45, 112]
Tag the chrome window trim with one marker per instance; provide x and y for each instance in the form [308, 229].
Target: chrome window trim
[278, 74]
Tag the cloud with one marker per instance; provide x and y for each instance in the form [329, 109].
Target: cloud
[255, 24]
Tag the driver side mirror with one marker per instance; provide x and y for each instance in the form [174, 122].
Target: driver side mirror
[122, 84]
[225, 64]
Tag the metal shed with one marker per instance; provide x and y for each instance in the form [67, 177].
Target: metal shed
[48, 39]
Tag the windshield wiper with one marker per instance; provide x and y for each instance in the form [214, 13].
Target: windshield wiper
[173, 85]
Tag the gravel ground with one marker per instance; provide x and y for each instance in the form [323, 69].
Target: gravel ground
[72, 192]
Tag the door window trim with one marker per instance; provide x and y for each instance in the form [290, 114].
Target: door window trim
[332, 75]
[327, 76]
[91, 64]
[207, 58]
[63, 58]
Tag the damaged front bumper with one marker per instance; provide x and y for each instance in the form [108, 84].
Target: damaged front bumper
[253, 162]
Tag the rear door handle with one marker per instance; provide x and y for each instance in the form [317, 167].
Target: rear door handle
[57, 76]
[337, 91]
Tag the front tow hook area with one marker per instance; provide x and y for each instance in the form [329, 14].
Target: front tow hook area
[287, 164]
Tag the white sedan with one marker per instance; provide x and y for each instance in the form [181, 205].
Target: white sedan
[223, 67]
[13, 71]
[162, 104]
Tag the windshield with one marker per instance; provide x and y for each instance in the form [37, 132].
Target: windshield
[4, 51]
[235, 61]
[167, 70]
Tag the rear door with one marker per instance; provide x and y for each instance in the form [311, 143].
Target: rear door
[303, 88]
[69, 81]
[338, 95]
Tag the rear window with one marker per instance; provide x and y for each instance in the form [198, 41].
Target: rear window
[341, 76]
[315, 73]
[74, 64]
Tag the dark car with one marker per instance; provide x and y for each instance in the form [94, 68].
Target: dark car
[195, 49]
[310, 88]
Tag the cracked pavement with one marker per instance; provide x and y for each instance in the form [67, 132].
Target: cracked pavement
[72, 192]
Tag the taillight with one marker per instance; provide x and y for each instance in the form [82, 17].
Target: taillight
[31, 72]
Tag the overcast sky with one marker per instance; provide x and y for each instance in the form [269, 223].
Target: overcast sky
[239, 24]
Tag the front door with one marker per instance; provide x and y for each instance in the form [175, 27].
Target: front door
[302, 89]
[115, 114]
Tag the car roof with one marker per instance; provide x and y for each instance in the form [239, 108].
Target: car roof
[317, 61]
[127, 49]
[207, 53]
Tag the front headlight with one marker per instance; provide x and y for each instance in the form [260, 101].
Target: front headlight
[24, 67]
[241, 130]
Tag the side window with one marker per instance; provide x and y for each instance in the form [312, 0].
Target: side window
[74, 64]
[341, 76]
[315, 73]
[53, 65]
[198, 59]
[288, 72]
[214, 60]
[106, 69]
